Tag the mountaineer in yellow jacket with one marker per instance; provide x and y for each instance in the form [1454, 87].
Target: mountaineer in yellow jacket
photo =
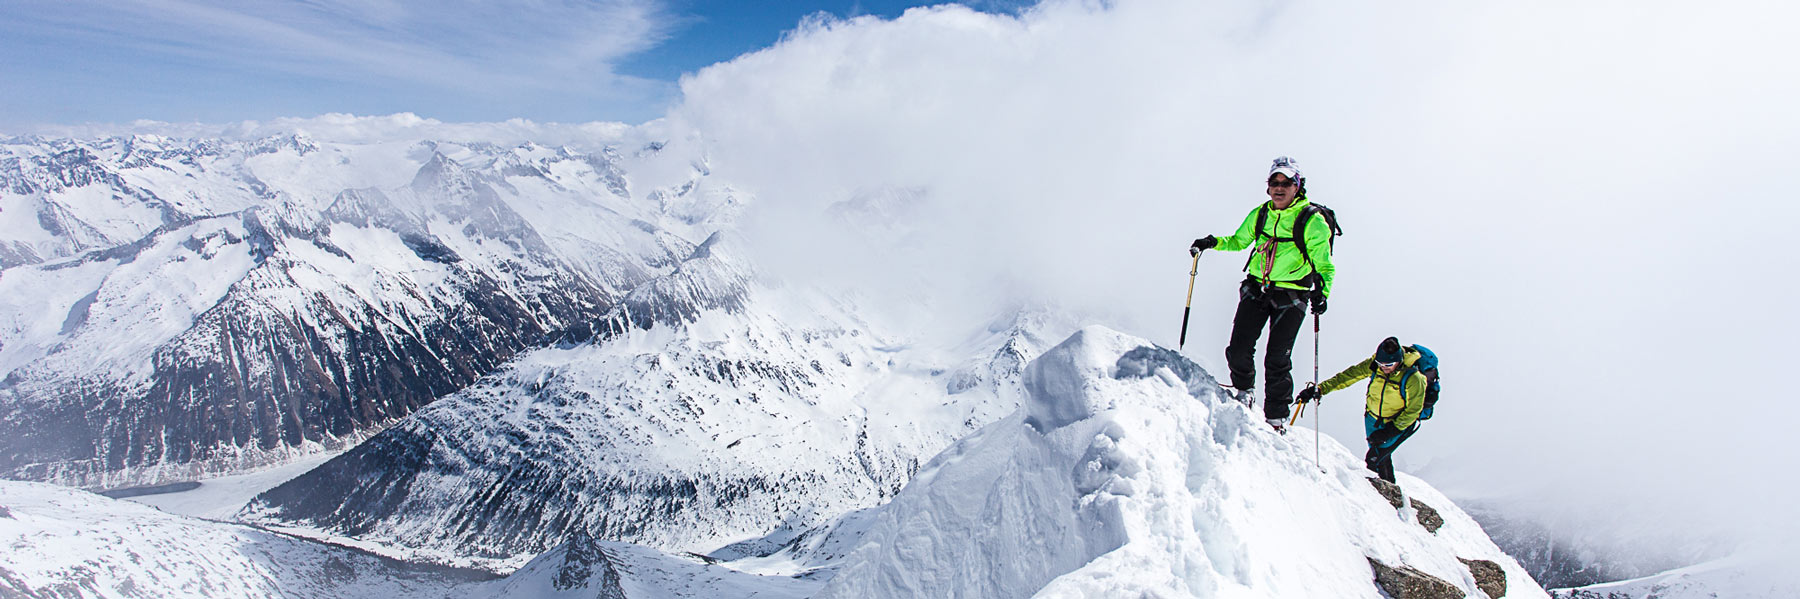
[1289, 266]
[1402, 387]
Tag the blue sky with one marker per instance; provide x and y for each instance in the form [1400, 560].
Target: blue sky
[115, 61]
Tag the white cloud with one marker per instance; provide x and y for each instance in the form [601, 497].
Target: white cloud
[1579, 205]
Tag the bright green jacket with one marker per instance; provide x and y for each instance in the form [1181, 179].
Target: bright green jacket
[1288, 269]
[1384, 399]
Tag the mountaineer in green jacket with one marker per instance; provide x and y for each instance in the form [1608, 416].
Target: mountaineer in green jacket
[1289, 266]
[1401, 387]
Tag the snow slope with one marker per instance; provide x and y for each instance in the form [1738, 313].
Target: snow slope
[1127, 475]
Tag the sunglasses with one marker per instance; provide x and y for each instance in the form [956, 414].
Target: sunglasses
[1386, 365]
[1281, 183]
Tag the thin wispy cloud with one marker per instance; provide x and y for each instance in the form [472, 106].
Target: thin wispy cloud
[567, 49]
[457, 43]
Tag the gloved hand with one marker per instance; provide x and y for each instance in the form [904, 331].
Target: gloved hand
[1308, 395]
[1202, 244]
[1318, 302]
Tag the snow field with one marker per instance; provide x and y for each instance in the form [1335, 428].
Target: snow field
[220, 498]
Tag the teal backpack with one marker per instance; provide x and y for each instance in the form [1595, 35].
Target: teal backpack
[1427, 364]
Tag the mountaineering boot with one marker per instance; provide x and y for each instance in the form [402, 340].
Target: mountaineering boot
[1246, 396]
[1280, 425]
[1249, 397]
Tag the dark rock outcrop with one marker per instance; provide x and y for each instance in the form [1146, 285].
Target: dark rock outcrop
[1489, 577]
[1428, 516]
[1407, 582]
[586, 565]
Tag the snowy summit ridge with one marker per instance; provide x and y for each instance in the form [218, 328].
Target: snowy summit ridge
[1128, 474]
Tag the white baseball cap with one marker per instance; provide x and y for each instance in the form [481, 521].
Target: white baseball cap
[1286, 166]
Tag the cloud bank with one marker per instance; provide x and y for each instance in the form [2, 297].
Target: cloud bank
[1576, 204]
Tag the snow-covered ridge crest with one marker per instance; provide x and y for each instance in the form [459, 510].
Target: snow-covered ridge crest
[1127, 474]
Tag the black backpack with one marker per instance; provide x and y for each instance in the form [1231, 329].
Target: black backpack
[1298, 238]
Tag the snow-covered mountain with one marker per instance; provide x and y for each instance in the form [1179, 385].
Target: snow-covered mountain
[170, 308]
[716, 408]
[1125, 473]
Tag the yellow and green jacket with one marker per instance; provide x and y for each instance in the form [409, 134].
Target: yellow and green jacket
[1385, 402]
[1281, 263]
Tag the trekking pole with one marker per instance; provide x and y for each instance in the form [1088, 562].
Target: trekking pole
[1192, 272]
[1301, 410]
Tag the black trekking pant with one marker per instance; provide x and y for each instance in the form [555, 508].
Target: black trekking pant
[1284, 310]
[1382, 443]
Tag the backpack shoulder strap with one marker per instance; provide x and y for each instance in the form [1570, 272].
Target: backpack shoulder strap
[1299, 238]
[1407, 376]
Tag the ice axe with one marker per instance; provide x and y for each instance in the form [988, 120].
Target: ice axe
[1185, 310]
